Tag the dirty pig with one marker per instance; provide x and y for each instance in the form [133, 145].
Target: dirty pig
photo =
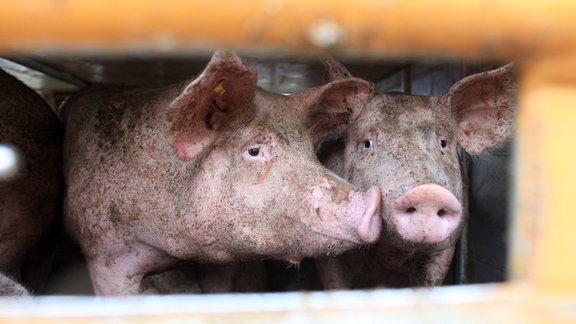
[407, 146]
[213, 170]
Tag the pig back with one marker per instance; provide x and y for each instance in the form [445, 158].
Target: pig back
[115, 155]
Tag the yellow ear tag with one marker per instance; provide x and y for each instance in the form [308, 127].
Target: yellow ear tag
[219, 89]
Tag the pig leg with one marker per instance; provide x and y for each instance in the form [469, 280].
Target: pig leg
[209, 278]
[111, 279]
[9, 287]
[335, 274]
[216, 278]
[114, 275]
[176, 281]
[236, 277]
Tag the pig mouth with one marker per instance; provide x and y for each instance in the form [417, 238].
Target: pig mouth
[331, 248]
[343, 241]
[327, 244]
[391, 238]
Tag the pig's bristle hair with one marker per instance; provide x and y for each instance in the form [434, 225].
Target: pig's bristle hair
[290, 265]
[364, 246]
[465, 211]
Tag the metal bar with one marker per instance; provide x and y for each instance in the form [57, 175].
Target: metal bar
[41, 67]
[461, 254]
[496, 29]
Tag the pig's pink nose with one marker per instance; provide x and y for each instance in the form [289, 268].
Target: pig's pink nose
[371, 222]
[427, 214]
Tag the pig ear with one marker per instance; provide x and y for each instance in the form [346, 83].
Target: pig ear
[334, 70]
[209, 103]
[328, 110]
[484, 105]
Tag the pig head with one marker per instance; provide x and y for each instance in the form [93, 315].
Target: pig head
[407, 146]
[213, 170]
[30, 198]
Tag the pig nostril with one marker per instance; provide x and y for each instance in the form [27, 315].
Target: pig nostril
[410, 210]
[442, 212]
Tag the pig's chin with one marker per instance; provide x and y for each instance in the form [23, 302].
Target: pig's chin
[338, 244]
[391, 236]
[331, 247]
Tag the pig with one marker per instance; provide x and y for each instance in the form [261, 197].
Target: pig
[407, 146]
[213, 170]
[31, 194]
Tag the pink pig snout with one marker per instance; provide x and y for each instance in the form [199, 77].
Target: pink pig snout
[371, 222]
[427, 214]
[351, 216]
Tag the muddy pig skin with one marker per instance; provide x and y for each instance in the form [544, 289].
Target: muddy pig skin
[30, 198]
[213, 170]
[407, 146]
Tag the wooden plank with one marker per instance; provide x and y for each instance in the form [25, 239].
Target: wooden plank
[546, 179]
[464, 304]
[496, 29]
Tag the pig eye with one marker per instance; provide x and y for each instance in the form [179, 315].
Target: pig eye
[368, 143]
[255, 151]
[443, 143]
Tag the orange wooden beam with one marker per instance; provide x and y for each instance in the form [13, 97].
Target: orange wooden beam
[472, 28]
[544, 237]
